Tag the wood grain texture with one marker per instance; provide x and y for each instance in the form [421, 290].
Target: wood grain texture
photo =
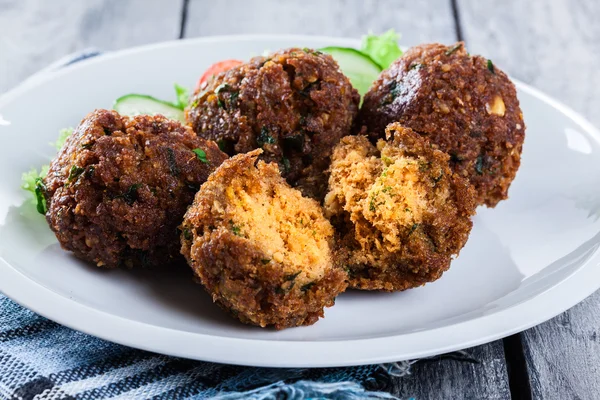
[477, 373]
[418, 21]
[34, 33]
[554, 46]
[482, 373]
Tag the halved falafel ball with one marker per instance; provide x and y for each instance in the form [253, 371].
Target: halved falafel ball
[120, 186]
[400, 211]
[463, 104]
[261, 250]
[295, 104]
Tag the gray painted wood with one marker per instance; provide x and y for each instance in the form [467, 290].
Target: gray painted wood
[34, 33]
[477, 373]
[417, 21]
[482, 374]
[553, 45]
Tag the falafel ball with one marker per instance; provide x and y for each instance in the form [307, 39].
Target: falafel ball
[463, 104]
[261, 250]
[400, 211]
[120, 186]
[295, 104]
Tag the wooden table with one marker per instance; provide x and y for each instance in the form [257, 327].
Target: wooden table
[553, 45]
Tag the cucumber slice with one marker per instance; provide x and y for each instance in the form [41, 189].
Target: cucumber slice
[136, 104]
[357, 66]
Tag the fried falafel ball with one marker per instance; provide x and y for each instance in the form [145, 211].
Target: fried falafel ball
[462, 103]
[261, 250]
[295, 104]
[400, 211]
[120, 186]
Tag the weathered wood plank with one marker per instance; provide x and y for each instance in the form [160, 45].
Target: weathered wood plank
[34, 33]
[482, 374]
[554, 46]
[417, 21]
[477, 373]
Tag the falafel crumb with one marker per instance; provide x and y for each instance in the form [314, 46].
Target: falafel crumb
[288, 228]
[400, 212]
[260, 249]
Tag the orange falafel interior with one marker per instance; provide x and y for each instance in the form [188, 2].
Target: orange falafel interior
[260, 249]
[400, 211]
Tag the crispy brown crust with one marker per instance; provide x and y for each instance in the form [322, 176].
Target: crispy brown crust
[238, 271]
[119, 187]
[376, 256]
[294, 104]
[449, 97]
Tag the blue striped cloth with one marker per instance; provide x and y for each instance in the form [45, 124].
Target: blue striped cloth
[40, 359]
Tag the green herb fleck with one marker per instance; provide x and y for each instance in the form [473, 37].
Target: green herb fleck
[40, 189]
[87, 145]
[479, 165]
[220, 103]
[221, 87]
[233, 97]
[372, 204]
[75, 172]
[237, 231]
[131, 195]
[286, 165]
[384, 173]
[187, 234]
[307, 287]
[201, 154]
[172, 162]
[291, 277]
[407, 209]
[264, 137]
[388, 161]
[453, 49]
[412, 229]
[490, 66]
[265, 261]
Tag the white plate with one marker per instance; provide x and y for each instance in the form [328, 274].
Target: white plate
[529, 259]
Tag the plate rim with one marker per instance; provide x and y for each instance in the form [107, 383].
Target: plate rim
[287, 353]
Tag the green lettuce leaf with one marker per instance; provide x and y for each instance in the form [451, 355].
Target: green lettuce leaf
[183, 97]
[33, 182]
[383, 49]
[62, 138]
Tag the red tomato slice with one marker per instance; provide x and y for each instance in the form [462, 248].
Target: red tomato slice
[215, 69]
